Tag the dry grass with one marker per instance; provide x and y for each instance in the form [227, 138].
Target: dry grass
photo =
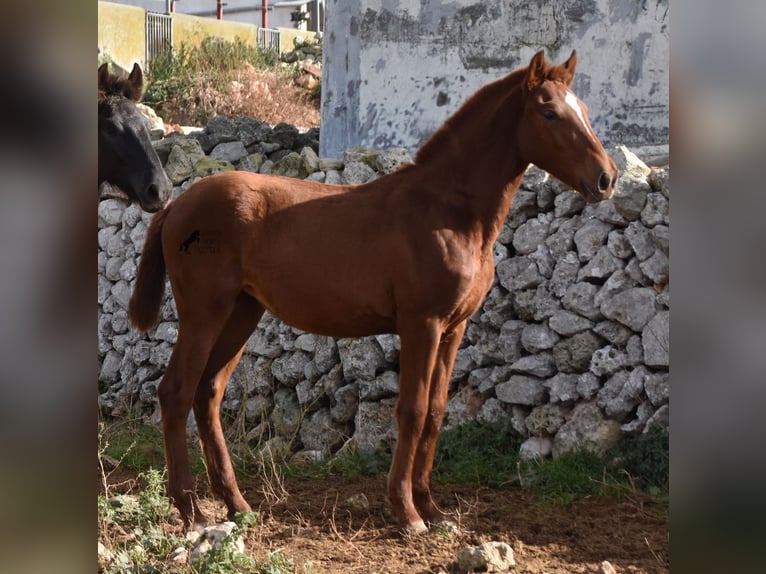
[268, 95]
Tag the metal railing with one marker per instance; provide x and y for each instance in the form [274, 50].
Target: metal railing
[159, 35]
[268, 39]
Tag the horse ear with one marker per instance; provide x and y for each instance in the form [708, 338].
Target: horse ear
[569, 67]
[136, 80]
[103, 74]
[535, 71]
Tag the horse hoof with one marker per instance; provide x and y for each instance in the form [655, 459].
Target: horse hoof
[415, 528]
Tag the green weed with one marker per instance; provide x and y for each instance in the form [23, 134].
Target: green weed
[479, 454]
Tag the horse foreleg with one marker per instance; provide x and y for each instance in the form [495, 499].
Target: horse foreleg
[417, 357]
[207, 402]
[437, 404]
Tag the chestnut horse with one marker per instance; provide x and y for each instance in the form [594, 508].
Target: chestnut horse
[409, 253]
[126, 157]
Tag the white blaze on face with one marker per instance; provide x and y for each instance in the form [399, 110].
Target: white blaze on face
[571, 101]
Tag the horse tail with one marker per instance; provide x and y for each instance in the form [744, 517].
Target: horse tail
[144, 307]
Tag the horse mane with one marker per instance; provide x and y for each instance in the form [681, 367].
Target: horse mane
[485, 99]
[117, 85]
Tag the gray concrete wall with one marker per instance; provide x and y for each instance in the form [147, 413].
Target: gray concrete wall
[394, 70]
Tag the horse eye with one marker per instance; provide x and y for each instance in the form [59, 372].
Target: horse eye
[550, 115]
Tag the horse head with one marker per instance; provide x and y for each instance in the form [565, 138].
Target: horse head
[555, 133]
[126, 157]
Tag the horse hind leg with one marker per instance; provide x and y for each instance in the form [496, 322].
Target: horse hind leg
[207, 402]
[197, 333]
[176, 394]
[437, 404]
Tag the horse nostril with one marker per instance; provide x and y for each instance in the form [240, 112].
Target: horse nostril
[153, 191]
[604, 181]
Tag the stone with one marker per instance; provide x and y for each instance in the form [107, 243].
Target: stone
[619, 281]
[521, 390]
[291, 165]
[605, 211]
[213, 537]
[485, 379]
[286, 416]
[607, 361]
[283, 134]
[656, 210]
[618, 244]
[601, 266]
[333, 177]
[567, 323]
[318, 432]
[390, 160]
[544, 420]
[492, 411]
[561, 238]
[640, 239]
[252, 162]
[524, 201]
[110, 212]
[289, 368]
[567, 204]
[538, 337]
[655, 338]
[183, 156]
[536, 448]
[632, 183]
[580, 298]
[361, 358]
[573, 354]
[622, 393]
[590, 238]
[229, 151]
[657, 388]
[357, 172]
[258, 408]
[614, 332]
[562, 387]
[633, 307]
[251, 130]
[659, 180]
[588, 429]
[564, 273]
[659, 420]
[531, 234]
[346, 399]
[518, 273]
[656, 267]
[310, 160]
[488, 557]
[375, 426]
[588, 385]
[540, 365]
[384, 385]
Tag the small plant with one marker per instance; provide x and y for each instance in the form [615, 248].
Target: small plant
[646, 458]
[480, 454]
[571, 476]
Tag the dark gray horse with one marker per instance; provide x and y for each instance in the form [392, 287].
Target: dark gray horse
[126, 157]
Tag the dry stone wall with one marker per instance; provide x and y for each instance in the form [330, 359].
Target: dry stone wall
[571, 344]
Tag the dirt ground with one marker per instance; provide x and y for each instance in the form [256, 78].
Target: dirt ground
[323, 527]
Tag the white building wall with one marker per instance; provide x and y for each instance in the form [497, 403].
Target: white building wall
[394, 70]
